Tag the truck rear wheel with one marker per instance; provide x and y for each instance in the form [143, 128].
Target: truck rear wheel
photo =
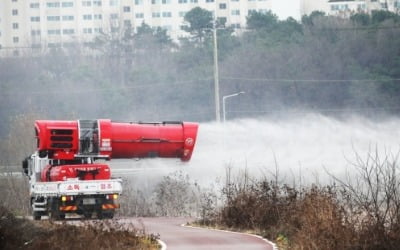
[105, 215]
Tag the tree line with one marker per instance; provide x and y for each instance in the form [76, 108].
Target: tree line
[322, 63]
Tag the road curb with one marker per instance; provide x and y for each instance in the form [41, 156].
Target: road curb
[163, 245]
[274, 246]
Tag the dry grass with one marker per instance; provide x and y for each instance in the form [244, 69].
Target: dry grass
[311, 218]
[24, 234]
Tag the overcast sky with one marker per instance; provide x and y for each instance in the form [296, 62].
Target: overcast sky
[286, 8]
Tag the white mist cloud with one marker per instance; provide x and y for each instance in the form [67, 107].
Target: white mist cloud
[301, 147]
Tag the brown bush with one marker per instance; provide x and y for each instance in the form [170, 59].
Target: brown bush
[317, 222]
[24, 234]
[310, 219]
[362, 212]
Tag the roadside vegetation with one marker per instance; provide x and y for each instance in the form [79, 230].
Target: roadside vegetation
[361, 212]
[19, 233]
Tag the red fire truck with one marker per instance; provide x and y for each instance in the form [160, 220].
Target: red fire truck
[67, 173]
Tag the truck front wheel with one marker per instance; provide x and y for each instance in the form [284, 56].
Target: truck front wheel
[37, 216]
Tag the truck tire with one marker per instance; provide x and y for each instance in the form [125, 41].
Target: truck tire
[37, 216]
[105, 215]
[54, 215]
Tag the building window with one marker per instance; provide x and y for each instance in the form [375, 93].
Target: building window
[15, 39]
[127, 23]
[235, 12]
[53, 18]
[166, 14]
[155, 1]
[194, 1]
[97, 17]
[87, 17]
[155, 14]
[235, 25]
[182, 1]
[209, 1]
[166, 1]
[113, 2]
[138, 2]
[87, 30]
[35, 32]
[98, 30]
[114, 16]
[54, 45]
[139, 15]
[86, 3]
[15, 26]
[14, 12]
[222, 6]
[67, 4]
[54, 32]
[35, 18]
[68, 18]
[127, 9]
[182, 13]
[96, 3]
[68, 31]
[53, 5]
[234, 0]
[34, 5]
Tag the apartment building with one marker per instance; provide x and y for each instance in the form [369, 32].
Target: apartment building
[37, 25]
[345, 8]
[42, 24]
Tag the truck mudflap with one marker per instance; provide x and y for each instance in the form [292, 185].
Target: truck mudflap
[76, 187]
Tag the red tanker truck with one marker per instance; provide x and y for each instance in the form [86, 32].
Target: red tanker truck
[65, 174]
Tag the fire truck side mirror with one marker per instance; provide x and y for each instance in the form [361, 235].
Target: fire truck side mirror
[42, 153]
[25, 166]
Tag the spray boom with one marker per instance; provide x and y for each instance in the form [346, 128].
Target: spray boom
[67, 140]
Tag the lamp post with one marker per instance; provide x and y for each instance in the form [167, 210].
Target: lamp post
[216, 77]
[224, 100]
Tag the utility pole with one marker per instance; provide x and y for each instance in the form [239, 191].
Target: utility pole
[216, 75]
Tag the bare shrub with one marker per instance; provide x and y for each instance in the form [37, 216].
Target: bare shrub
[20, 141]
[23, 234]
[135, 202]
[372, 200]
[175, 196]
[207, 208]
[361, 212]
[15, 195]
[317, 221]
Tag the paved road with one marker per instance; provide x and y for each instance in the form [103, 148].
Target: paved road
[177, 237]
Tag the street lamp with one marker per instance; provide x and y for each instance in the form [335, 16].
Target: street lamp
[216, 77]
[224, 100]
